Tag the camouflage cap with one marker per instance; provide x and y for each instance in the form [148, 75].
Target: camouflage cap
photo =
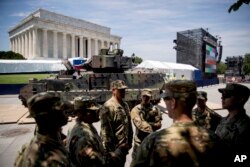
[85, 102]
[146, 92]
[179, 87]
[235, 89]
[202, 95]
[118, 84]
[42, 103]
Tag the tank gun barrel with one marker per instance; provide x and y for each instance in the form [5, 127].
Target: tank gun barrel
[110, 61]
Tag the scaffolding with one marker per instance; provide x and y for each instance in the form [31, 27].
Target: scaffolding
[191, 47]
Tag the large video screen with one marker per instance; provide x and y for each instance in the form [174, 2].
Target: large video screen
[210, 63]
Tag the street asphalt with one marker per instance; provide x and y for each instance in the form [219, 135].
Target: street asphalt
[13, 136]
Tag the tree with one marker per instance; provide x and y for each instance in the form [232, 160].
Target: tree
[221, 68]
[138, 60]
[246, 64]
[237, 5]
[11, 55]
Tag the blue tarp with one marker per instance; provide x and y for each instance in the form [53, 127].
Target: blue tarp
[10, 88]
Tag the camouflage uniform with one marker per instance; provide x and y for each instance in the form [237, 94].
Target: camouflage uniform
[84, 136]
[145, 119]
[116, 127]
[183, 143]
[207, 119]
[83, 142]
[45, 150]
[235, 131]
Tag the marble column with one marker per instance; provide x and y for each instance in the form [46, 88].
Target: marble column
[108, 44]
[23, 45]
[26, 47]
[84, 48]
[96, 47]
[13, 44]
[89, 47]
[81, 46]
[16, 38]
[118, 45]
[55, 45]
[73, 48]
[102, 44]
[34, 31]
[17, 44]
[30, 43]
[45, 43]
[64, 45]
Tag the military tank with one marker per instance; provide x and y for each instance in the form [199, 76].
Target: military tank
[96, 76]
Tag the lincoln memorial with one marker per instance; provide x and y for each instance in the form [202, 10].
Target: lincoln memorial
[48, 35]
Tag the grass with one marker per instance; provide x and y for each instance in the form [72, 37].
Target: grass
[20, 78]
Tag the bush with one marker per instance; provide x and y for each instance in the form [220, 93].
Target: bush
[11, 55]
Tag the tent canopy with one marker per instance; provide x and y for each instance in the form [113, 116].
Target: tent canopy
[26, 66]
[170, 68]
[165, 65]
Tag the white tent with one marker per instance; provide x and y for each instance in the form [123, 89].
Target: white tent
[26, 66]
[170, 68]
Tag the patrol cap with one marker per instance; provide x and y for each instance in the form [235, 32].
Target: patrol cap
[118, 84]
[85, 102]
[42, 103]
[179, 88]
[202, 95]
[235, 89]
[146, 92]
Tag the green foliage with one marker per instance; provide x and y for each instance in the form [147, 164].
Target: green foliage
[11, 55]
[20, 78]
[237, 5]
[246, 64]
[221, 68]
[138, 60]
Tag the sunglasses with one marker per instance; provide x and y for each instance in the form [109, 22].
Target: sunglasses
[226, 95]
[167, 98]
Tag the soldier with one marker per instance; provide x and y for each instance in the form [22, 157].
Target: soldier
[183, 77]
[116, 127]
[83, 142]
[173, 77]
[234, 129]
[203, 115]
[184, 143]
[77, 74]
[46, 147]
[146, 118]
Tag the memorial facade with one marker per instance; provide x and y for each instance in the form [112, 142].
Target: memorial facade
[48, 35]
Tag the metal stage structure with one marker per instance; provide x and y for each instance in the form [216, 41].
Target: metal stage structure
[200, 49]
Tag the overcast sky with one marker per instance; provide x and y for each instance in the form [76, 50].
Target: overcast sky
[147, 27]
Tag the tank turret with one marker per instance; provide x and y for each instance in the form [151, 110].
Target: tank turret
[109, 61]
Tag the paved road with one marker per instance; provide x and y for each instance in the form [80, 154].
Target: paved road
[13, 136]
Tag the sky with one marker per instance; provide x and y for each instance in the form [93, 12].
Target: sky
[147, 27]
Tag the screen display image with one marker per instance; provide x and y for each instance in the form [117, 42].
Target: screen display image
[210, 62]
